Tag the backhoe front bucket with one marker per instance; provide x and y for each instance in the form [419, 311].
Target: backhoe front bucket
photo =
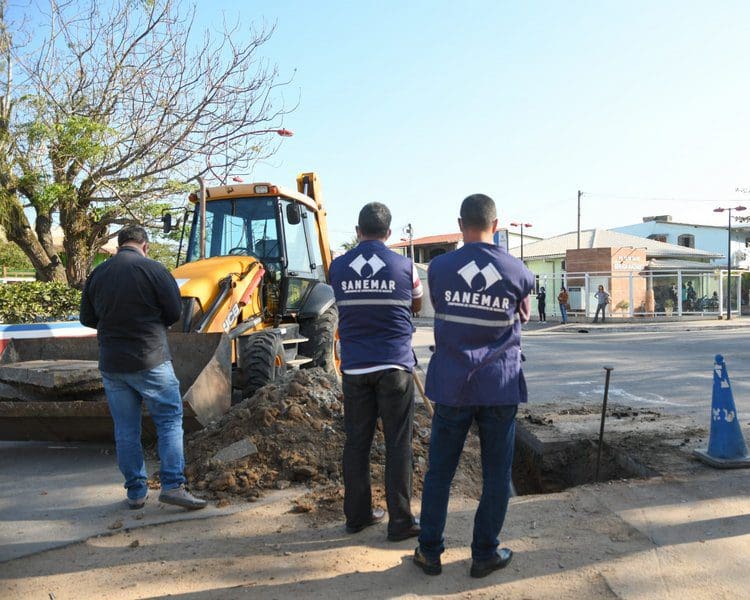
[51, 390]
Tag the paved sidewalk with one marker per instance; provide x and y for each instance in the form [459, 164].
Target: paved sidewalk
[634, 325]
[635, 540]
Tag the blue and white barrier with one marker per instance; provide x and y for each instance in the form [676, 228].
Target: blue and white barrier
[42, 330]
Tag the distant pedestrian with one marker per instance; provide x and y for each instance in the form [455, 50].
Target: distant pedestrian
[563, 299]
[131, 300]
[692, 296]
[602, 299]
[541, 303]
[474, 376]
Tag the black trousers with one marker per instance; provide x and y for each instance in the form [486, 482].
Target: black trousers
[390, 395]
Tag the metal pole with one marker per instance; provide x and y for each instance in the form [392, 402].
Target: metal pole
[578, 246]
[601, 427]
[522, 241]
[202, 208]
[411, 244]
[729, 266]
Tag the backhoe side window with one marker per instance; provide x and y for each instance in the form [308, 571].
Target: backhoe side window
[296, 247]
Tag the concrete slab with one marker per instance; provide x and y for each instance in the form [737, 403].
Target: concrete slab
[54, 494]
[51, 374]
[240, 449]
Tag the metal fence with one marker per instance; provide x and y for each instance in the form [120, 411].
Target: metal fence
[7, 275]
[645, 294]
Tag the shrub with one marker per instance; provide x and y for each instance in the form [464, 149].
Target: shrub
[36, 301]
[13, 258]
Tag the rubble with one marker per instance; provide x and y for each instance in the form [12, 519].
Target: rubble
[291, 432]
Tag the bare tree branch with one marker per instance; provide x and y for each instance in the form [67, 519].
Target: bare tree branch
[116, 107]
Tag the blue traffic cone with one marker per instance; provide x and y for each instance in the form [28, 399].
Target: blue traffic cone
[726, 446]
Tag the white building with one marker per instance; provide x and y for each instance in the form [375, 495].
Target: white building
[710, 238]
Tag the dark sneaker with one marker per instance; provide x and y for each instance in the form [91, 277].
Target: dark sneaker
[482, 568]
[412, 531]
[179, 496]
[430, 567]
[136, 503]
[376, 517]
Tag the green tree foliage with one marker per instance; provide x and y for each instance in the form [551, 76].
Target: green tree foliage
[35, 301]
[12, 257]
[164, 252]
[107, 111]
[352, 243]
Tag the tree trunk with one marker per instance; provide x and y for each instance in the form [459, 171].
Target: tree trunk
[19, 231]
[80, 248]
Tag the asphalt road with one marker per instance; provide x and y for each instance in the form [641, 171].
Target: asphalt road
[671, 370]
[667, 369]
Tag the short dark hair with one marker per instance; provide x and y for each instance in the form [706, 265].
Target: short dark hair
[132, 233]
[478, 211]
[374, 220]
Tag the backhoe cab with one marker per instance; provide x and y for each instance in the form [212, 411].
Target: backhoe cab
[255, 269]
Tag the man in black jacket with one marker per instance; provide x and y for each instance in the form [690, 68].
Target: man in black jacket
[131, 300]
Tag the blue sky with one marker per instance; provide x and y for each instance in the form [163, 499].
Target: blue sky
[418, 104]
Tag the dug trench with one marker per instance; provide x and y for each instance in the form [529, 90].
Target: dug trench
[290, 433]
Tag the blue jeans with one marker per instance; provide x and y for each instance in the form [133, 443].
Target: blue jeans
[497, 432]
[600, 307]
[159, 389]
[564, 313]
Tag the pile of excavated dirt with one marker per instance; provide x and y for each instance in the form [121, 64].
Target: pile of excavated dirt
[288, 432]
[291, 432]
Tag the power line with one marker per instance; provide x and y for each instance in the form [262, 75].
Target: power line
[655, 198]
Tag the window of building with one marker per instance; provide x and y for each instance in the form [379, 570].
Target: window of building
[658, 237]
[747, 242]
[687, 240]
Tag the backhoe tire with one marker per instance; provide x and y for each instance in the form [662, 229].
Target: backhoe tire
[321, 334]
[261, 358]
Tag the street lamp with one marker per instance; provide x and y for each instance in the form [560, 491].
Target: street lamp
[521, 225]
[279, 132]
[729, 254]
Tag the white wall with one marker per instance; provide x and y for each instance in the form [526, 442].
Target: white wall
[710, 239]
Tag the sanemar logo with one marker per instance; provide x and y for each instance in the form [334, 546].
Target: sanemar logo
[374, 262]
[489, 273]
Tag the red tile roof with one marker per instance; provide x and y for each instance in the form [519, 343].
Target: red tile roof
[446, 238]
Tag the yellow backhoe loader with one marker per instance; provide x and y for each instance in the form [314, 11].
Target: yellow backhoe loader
[255, 302]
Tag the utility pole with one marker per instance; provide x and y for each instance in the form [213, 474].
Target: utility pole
[729, 256]
[579, 219]
[521, 225]
[410, 231]
[729, 266]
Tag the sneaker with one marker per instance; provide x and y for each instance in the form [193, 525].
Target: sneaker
[482, 568]
[179, 496]
[136, 503]
[430, 567]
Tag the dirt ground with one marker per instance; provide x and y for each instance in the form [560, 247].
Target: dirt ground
[271, 551]
[291, 539]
